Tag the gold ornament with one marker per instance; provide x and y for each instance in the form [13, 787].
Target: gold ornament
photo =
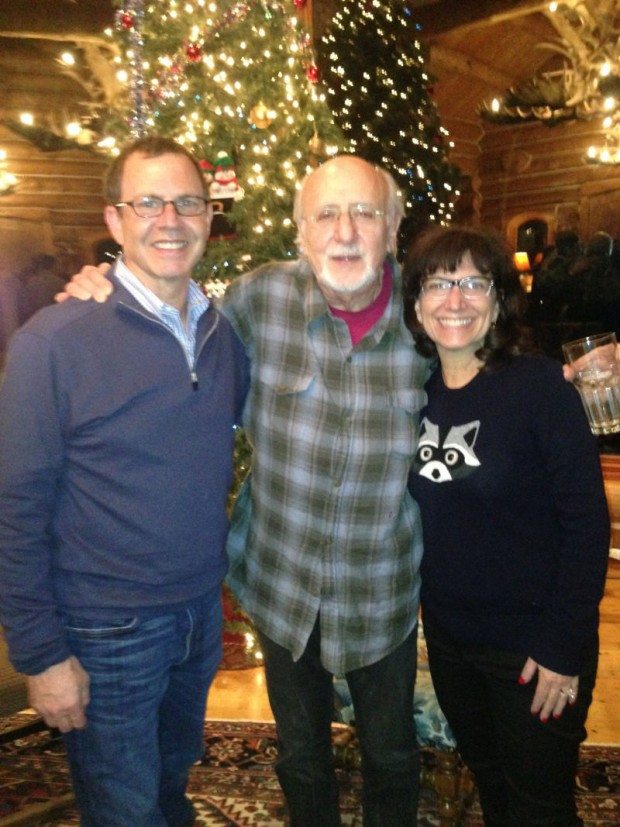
[260, 116]
[316, 145]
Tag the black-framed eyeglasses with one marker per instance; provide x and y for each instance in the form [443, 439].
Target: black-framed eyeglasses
[471, 287]
[361, 215]
[151, 206]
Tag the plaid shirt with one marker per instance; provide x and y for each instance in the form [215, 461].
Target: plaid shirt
[324, 523]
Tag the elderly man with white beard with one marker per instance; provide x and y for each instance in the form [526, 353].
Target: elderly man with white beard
[325, 542]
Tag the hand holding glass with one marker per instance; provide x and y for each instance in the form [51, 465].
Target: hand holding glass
[596, 373]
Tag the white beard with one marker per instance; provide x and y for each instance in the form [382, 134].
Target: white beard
[333, 283]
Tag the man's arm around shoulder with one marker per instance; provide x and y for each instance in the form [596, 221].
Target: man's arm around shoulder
[89, 283]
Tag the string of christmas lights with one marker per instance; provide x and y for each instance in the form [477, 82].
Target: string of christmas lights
[385, 106]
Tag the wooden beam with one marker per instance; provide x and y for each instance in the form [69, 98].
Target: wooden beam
[446, 15]
[306, 14]
[60, 37]
[60, 16]
[467, 65]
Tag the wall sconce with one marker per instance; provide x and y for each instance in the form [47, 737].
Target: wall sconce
[522, 263]
[609, 152]
[8, 181]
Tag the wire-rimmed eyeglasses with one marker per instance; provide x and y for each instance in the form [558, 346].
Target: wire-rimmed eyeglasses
[471, 287]
[361, 215]
[151, 206]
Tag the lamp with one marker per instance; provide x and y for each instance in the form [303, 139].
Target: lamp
[522, 263]
[8, 181]
[609, 152]
[587, 85]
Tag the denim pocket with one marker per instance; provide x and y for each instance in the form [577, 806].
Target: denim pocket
[99, 628]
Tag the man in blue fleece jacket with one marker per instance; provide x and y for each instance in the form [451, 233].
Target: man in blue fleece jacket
[115, 463]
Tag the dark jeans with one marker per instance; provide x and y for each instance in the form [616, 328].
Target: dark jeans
[525, 770]
[149, 683]
[302, 699]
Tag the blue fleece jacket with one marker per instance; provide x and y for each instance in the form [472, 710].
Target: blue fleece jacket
[114, 468]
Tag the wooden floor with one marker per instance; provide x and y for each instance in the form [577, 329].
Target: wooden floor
[604, 718]
[241, 694]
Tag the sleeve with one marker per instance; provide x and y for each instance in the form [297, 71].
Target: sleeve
[573, 467]
[235, 306]
[31, 460]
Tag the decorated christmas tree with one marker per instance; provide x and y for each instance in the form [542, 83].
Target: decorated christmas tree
[237, 81]
[374, 67]
[238, 84]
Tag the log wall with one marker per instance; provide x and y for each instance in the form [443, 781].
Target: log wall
[57, 206]
[531, 171]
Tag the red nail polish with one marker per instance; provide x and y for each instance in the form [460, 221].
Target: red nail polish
[544, 720]
[521, 680]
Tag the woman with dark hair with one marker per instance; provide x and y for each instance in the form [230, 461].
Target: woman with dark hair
[516, 532]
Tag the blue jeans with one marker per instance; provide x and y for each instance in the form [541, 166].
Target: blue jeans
[149, 683]
[525, 770]
[302, 699]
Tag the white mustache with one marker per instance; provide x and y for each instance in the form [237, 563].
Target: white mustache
[345, 250]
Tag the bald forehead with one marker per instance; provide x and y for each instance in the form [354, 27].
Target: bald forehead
[345, 180]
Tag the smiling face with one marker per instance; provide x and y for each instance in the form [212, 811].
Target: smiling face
[347, 258]
[456, 324]
[161, 251]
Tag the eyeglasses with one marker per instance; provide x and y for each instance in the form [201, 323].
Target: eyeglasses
[150, 206]
[471, 287]
[361, 215]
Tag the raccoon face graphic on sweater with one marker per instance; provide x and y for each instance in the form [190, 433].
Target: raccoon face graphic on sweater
[444, 456]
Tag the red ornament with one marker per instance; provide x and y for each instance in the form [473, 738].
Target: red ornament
[300, 4]
[193, 52]
[312, 73]
[127, 21]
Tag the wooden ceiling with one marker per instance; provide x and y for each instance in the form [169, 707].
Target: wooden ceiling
[478, 48]
[481, 48]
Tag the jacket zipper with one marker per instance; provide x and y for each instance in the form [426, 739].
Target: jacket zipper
[192, 371]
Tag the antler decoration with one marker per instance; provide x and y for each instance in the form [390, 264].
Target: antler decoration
[588, 43]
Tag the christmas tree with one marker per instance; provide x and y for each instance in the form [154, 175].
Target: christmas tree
[237, 83]
[373, 64]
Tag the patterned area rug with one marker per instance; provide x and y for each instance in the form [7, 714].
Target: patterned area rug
[235, 785]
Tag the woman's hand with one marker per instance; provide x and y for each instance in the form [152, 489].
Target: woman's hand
[553, 691]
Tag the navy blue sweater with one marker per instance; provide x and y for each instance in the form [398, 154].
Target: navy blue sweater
[114, 468]
[516, 529]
